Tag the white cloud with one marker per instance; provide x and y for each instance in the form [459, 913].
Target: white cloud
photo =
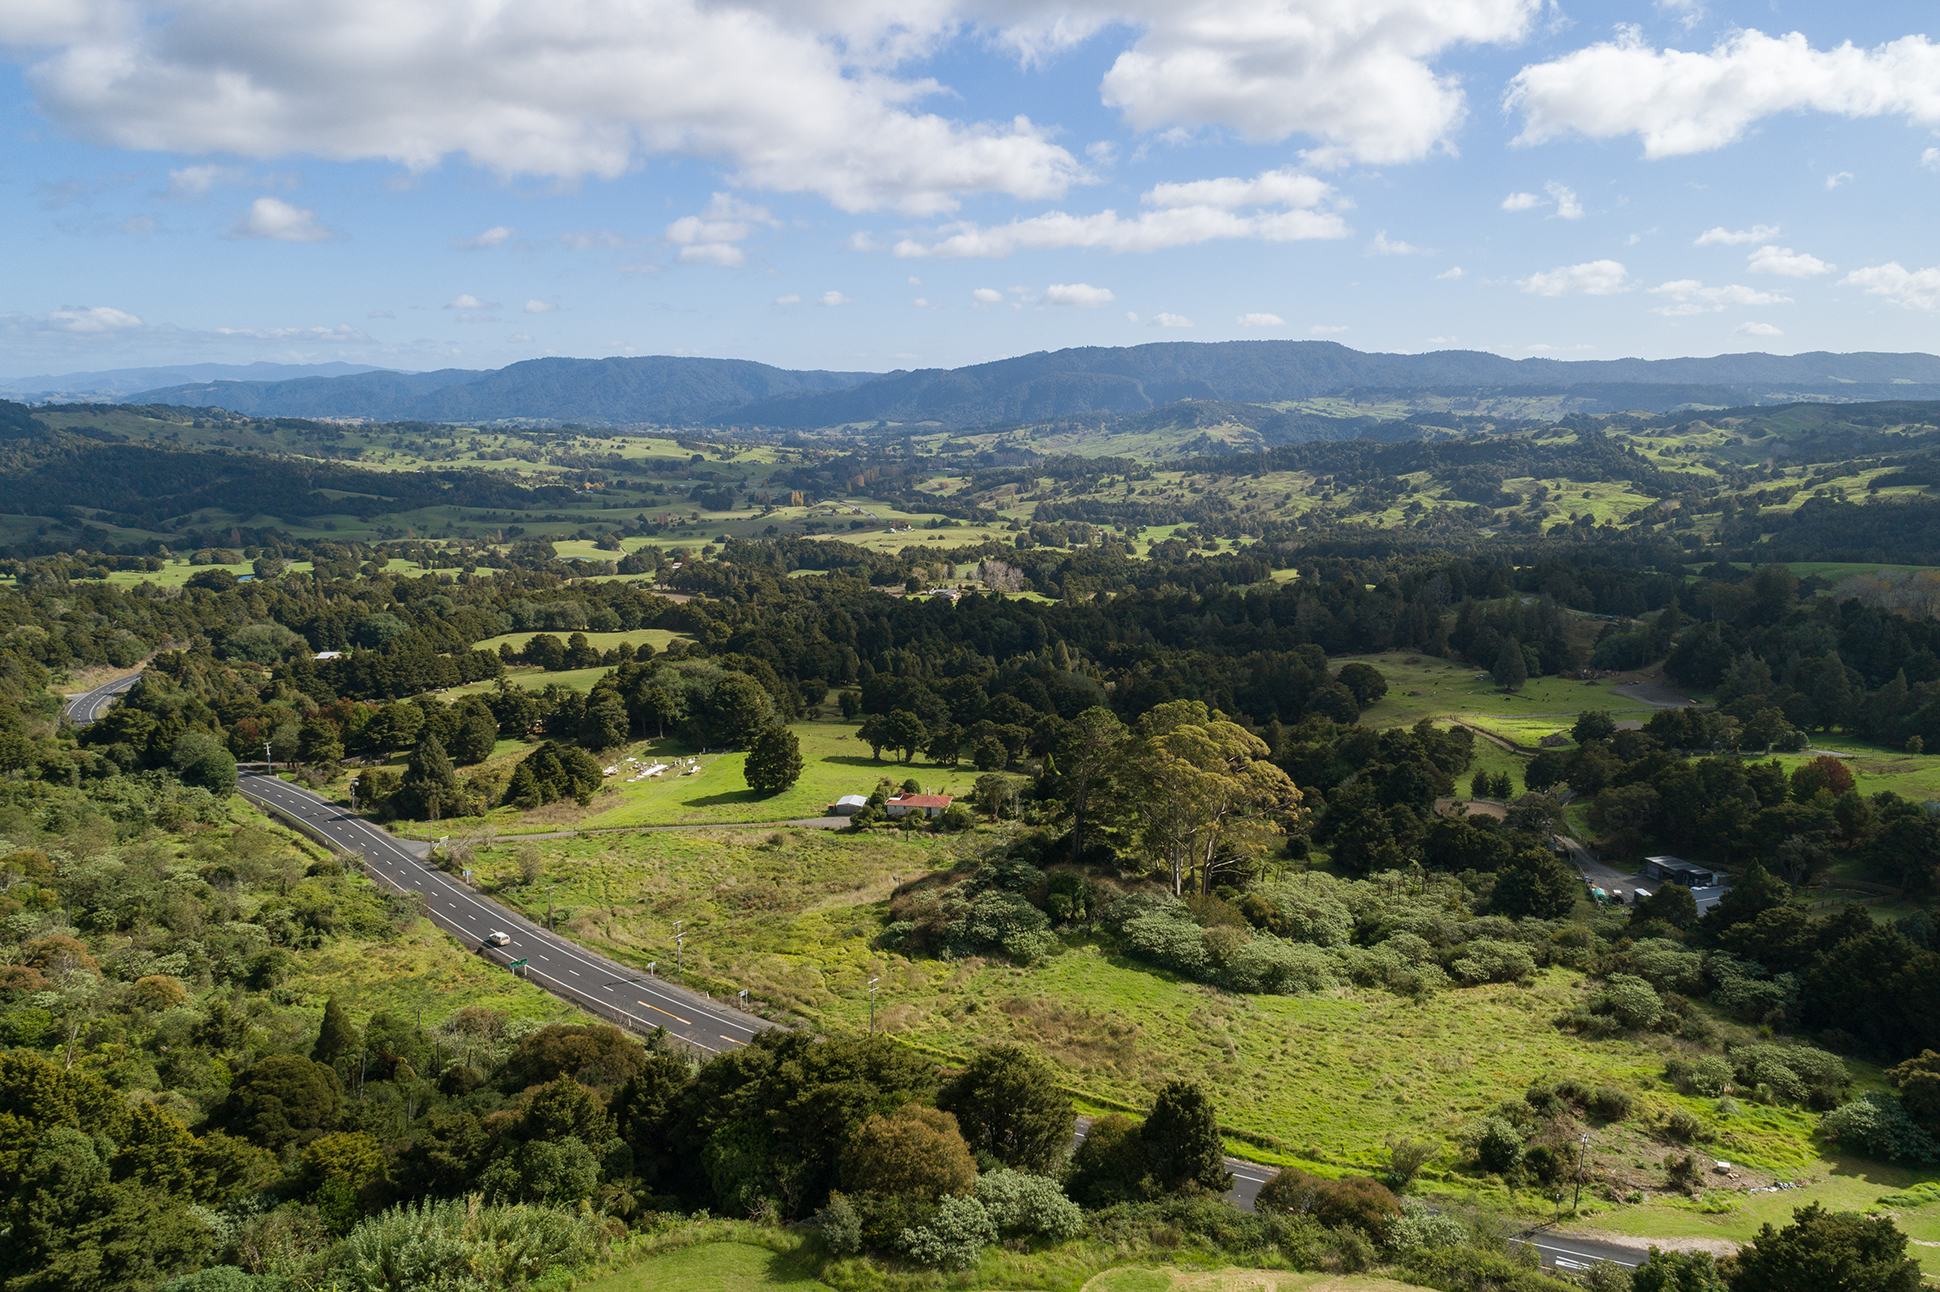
[923, 303]
[1261, 320]
[833, 297]
[1187, 213]
[1322, 329]
[1567, 207]
[1838, 180]
[1083, 295]
[987, 296]
[1450, 274]
[1130, 316]
[1521, 202]
[1358, 77]
[592, 240]
[1386, 246]
[192, 183]
[1442, 340]
[467, 301]
[790, 299]
[1592, 278]
[518, 337]
[1757, 329]
[341, 333]
[1917, 289]
[492, 237]
[1785, 261]
[862, 240]
[88, 319]
[914, 281]
[1680, 103]
[1162, 319]
[540, 307]
[710, 237]
[277, 220]
[1723, 237]
[724, 255]
[1931, 159]
[789, 98]
[380, 314]
[1689, 296]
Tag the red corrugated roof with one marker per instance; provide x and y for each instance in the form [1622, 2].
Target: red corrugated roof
[921, 800]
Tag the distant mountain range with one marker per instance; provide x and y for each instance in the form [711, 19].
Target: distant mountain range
[117, 382]
[1036, 387]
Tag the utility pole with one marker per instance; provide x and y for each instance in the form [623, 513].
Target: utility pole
[872, 1005]
[1582, 1159]
[549, 888]
[267, 762]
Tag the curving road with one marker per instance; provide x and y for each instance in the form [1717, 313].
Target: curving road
[89, 705]
[561, 966]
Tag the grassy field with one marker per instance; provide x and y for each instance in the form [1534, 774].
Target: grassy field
[1435, 688]
[772, 1262]
[792, 917]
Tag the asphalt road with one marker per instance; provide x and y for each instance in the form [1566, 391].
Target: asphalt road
[86, 707]
[560, 966]
[1573, 1253]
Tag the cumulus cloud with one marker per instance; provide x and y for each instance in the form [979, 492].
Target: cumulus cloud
[1521, 202]
[87, 319]
[1838, 179]
[1322, 329]
[1917, 289]
[1931, 159]
[790, 299]
[1450, 274]
[540, 307]
[1787, 262]
[277, 220]
[1567, 207]
[1184, 214]
[192, 183]
[1359, 78]
[1261, 320]
[1723, 237]
[710, 237]
[467, 301]
[1678, 102]
[987, 296]
[1757, 329]
[1383, 245]
[1162, 319]
[1592, 278]
[1689, 296]
[833, 297]
[1083, 295]
[492, 237]
[788, 100]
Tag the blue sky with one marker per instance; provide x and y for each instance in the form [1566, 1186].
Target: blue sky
[867, 185]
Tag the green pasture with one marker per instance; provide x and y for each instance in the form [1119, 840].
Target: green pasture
[1434, 688]
[598, 641]
[792, 916]
[834, 762]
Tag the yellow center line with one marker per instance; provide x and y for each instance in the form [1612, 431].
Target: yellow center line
[656, 1009]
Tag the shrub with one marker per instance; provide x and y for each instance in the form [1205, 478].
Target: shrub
[1876, 1124]
[1418, 1227]
[1489, 960]
[1026, 1205]
[1608, 1103]
[439, 1247]
[1709, 1076]
[1169, 942]
[1631, 1000]
[954, 1236]
[840, 1226]
[1498, 1145]
[1683, 1125]
[916, 1152]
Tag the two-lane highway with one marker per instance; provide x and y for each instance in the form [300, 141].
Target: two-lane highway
[89, 705]
[557, 964]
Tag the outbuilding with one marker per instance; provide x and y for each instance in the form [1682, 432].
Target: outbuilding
[848, 805]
